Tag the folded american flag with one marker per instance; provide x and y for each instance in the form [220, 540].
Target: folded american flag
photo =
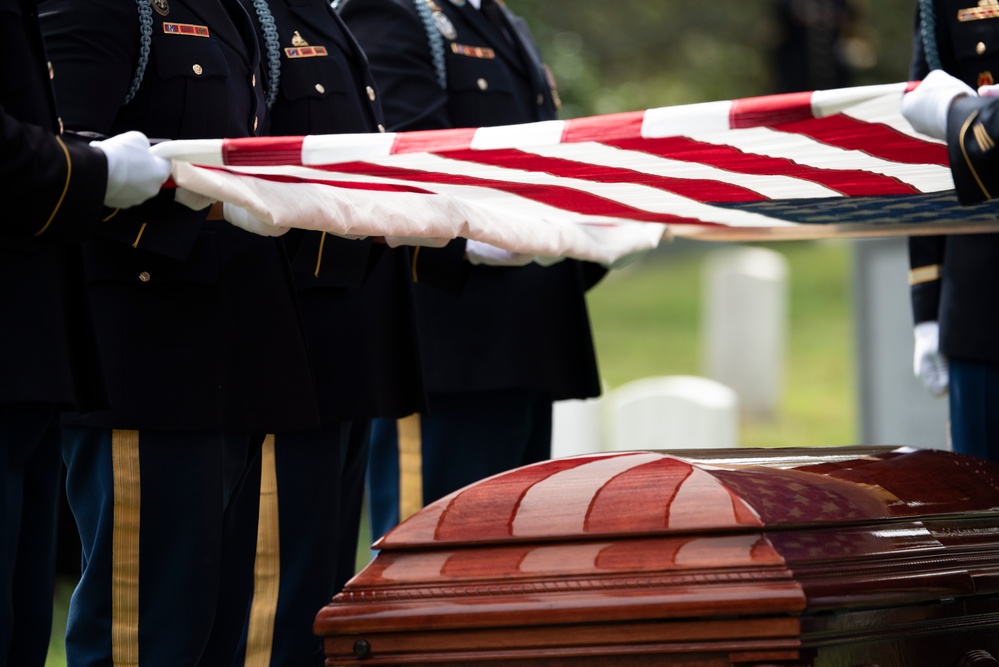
[797, 166]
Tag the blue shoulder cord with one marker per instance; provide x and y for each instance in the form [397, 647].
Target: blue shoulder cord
[433, 38]
[145, 40]
[273, 49]
[928, 31]
[270, 39]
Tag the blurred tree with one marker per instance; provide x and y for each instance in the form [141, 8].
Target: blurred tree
[636, 54]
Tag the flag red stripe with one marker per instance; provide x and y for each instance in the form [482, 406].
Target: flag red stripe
[852, 183]
[567, 199]
[346, 185]
[432, 141]
[603, 128]
[874, 139]
[765, 111]
[262, 151]
[699, 189]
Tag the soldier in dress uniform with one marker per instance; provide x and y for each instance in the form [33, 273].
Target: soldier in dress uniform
[200, 337]
[955, 279]
[56, 189]
[499, 343]
[357, 302]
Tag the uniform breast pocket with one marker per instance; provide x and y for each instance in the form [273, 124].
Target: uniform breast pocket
[977, 49]
[193, 82]
[481, 91]
[310, 78]
[108, 262]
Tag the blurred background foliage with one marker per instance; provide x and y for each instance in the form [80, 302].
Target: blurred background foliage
[628, 55]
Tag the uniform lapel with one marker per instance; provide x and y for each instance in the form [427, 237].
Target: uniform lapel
[482, 25]
[228, 21]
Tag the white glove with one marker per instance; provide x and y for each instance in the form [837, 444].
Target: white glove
[478, 252]
[929, 365]
[926, 107]
[134, 173]
[991, 90]
[240, 217]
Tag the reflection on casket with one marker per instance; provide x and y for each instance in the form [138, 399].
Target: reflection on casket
[834, 557]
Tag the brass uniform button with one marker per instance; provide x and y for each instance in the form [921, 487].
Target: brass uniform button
[980, 48]
[256, 121]
[541, 99]
[371, 93]
[381, 128]
[145, 277]
[482, 84]
[320, 88]
[253, 80]
[51, 70]
[197, 69]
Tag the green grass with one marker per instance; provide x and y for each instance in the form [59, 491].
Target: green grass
[647, 321]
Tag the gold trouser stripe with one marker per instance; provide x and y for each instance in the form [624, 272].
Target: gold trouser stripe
[125, 549]
[925, 274]
[410, 467]
[266, 567]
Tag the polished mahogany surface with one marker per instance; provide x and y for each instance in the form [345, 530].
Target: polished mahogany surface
[710, 557]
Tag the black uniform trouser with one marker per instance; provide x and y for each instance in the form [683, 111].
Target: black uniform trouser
[29, 493]
[167, 522]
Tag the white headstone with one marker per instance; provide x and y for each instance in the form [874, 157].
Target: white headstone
[894, 407]
[745, 324]
[671, 412]
[576, 427]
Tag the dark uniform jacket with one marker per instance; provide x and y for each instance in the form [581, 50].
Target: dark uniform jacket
[52, 189]
[356, 296]
[197, 321]
[956, 278]
[524, 327]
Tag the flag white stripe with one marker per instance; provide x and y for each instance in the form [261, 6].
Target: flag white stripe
[327, 148]
[639, 197]
[772, 187]
[803, 150]
[508, 136]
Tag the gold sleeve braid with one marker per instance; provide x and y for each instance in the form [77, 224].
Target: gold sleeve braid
[979, 132]
[65, 188]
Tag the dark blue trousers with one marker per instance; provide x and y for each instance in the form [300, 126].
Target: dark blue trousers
[167, 522]
[320, 489]
[29, 492]
[974, 408]
[467, 437]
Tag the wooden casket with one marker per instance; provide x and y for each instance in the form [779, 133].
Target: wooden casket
[840, 557]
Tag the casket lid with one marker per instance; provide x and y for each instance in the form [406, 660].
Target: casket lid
[656, 493]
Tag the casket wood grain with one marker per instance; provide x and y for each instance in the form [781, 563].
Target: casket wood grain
[841, 557]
